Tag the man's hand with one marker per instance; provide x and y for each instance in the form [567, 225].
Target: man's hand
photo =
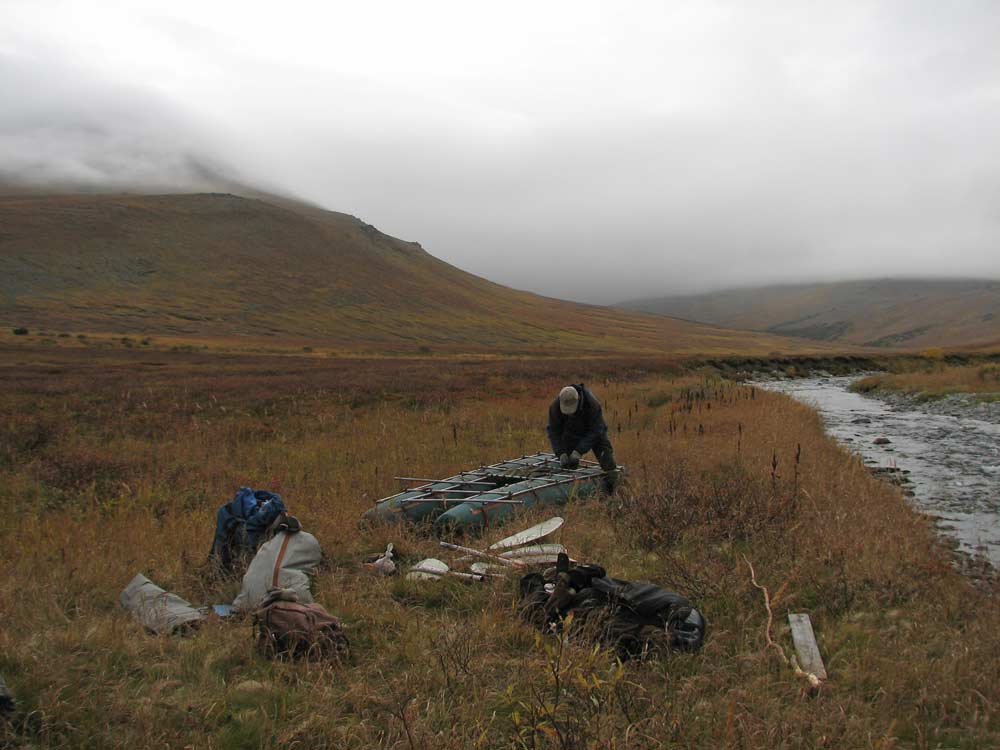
[574, 459]
[564, 460]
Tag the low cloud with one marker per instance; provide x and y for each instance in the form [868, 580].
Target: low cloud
[590, 154]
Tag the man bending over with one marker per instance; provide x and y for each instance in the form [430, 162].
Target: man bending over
[576, 426]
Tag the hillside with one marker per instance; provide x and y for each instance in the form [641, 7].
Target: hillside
[276, 273]
[894, 313]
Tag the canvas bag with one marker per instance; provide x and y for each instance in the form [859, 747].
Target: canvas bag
[159, 610]
[286, 561]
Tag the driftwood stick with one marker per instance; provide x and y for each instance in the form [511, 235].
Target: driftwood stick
[770, 614]
[813, 680]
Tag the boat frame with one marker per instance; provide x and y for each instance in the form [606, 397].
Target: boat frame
[490, 494]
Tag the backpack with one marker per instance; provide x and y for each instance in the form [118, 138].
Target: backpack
[6, 699]
[634, 618]
[286, 628]
[241, 525]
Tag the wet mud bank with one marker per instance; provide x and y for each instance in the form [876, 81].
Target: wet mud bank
[945, 455]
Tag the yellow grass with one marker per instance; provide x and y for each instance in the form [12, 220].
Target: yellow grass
[115, 463]
[938, 380]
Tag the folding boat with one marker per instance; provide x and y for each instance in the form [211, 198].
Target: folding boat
[490, 494]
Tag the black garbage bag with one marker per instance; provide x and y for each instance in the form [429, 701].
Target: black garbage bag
[635, 618]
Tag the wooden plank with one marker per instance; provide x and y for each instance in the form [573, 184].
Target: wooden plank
[810, 659]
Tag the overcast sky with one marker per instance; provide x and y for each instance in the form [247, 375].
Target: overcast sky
[587, 150]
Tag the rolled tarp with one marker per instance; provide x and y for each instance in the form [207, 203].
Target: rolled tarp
[157, 609]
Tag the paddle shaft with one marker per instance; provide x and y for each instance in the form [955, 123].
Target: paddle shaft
[479, 553]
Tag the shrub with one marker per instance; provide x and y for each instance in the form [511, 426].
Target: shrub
[723, 503]
[989, 373]
[20, 331]
[659, 399]
[935, 353]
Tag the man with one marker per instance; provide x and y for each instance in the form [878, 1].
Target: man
[576, 426]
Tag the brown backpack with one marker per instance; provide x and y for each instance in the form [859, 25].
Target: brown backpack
[284, 627]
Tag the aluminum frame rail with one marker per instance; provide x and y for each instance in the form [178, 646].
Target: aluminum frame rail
[469, 495]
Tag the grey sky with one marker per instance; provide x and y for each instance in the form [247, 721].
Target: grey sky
[595, 151]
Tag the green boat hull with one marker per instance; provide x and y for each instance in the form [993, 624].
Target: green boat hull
[489, 495]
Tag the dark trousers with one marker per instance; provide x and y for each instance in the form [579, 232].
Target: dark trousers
[605, 454]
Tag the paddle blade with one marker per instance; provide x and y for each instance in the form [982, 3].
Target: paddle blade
[536, 532]
[486, 569]
[431, 565]
[533, 550]
[416, 575]
[532, 560]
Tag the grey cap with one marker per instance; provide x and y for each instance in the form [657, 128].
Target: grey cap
[569, 400]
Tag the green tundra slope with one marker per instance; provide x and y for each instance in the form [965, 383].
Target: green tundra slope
[270, 271]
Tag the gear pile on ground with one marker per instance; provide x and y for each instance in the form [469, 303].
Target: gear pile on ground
[254, 527]
[636, 619]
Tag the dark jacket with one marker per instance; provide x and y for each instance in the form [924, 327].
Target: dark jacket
[240, 523]
[580, 431]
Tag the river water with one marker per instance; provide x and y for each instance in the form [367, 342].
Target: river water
[946, 453]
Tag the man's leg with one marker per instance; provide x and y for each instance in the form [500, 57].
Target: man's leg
[606, 458]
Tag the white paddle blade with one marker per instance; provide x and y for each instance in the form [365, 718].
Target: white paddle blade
[431, 565]
[417, 575]
[536, 532]
[486, 569]
[530, 560]
[533, 550]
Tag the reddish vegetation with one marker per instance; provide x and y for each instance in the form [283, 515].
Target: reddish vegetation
[114, 463]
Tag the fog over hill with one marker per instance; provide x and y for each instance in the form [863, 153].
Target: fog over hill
[597, 153]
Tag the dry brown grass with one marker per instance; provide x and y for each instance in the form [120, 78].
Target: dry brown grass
[936, 380]
[116, 465]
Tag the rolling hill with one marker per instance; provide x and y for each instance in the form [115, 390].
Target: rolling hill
[888, 313]
[256, 271]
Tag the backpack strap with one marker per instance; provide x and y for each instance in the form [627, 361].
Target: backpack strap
[280, 559]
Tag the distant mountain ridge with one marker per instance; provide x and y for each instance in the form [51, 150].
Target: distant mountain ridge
[266, 270]
[887, 313]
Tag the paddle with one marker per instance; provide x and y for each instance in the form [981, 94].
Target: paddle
[488, 569]
[432, 568]
[486, 555]
[533, 550]
[536, 532]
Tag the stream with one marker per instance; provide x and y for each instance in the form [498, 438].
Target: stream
[946, 455]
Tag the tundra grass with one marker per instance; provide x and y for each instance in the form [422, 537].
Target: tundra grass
[114, 463]
[937, 381]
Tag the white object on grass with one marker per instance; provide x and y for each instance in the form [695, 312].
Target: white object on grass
[536, 532]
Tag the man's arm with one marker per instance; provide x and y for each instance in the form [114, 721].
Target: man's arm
[555, 427]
